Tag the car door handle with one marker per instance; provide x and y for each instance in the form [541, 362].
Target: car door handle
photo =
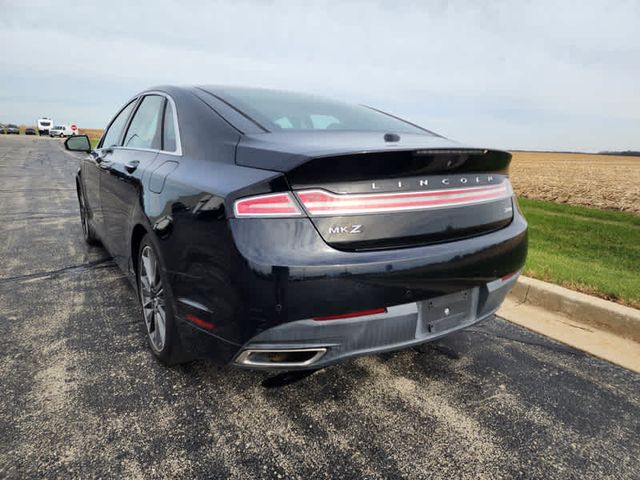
[131, 166]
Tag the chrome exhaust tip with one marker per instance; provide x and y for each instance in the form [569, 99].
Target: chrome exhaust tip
[282, 358]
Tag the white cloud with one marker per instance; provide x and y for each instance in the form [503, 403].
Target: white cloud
[511, 74]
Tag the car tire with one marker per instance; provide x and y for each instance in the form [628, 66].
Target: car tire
[156, 303]
[88, 232]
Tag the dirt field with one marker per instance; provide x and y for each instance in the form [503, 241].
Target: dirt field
[601, 181]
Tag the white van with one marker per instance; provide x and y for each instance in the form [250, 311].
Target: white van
[44, 125]
[63, 131]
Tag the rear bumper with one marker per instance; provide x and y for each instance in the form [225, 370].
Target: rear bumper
[253, 277]
[402, 326]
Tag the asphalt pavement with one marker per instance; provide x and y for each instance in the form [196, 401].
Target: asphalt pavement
[81, 396]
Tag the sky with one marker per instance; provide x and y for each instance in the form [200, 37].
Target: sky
[542, 75]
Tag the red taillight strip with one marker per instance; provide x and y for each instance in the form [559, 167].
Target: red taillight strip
[363, 313]
[321, 202]
[271, 205]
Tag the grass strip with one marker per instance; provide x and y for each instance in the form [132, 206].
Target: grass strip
[585, 249]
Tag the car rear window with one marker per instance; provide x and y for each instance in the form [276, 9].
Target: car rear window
[279, 110]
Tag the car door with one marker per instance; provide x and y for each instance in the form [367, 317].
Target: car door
[90, 167]
[120, 183]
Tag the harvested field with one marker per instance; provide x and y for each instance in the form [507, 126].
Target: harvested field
[92, 132]
[601, 181]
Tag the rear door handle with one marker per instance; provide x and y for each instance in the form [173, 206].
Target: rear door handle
[131, 166]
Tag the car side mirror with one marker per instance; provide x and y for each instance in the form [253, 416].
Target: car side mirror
[78, 143]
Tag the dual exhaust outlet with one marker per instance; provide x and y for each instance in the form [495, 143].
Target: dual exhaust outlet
[281, 358]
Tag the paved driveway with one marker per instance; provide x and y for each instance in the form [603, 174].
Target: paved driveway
[81, 396]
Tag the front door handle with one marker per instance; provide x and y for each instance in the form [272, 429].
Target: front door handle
[131, 166]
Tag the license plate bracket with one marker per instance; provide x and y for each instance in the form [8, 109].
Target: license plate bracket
[440, 314]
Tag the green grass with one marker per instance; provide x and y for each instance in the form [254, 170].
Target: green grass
[94, 142]
[590, 250]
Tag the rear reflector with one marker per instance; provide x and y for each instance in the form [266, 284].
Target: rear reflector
[271, 205]
[509, 275]
[200, 322]
[321, 202]
[363, 313]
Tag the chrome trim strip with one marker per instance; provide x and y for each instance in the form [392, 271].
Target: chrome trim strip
[194, 304]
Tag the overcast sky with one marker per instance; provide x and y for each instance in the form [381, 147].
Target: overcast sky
[512, 74]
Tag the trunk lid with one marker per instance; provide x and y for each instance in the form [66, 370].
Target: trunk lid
[363, 193]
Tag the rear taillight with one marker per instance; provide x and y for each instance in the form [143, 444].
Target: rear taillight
[271, 205]
[321, 202]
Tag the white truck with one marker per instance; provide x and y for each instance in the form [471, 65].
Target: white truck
[44, 125]
[63, 130]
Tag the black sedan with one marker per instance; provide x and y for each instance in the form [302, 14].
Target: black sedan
[279, 230]
[30, 131]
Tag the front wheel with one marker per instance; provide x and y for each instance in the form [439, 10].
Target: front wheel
[157, 304]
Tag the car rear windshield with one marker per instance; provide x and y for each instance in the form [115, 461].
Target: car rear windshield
[59, 127]
[279, 110]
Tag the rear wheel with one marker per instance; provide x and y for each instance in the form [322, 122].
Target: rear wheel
[157, 304]
[87, 230]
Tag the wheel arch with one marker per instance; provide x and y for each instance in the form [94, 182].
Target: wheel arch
[137, 234]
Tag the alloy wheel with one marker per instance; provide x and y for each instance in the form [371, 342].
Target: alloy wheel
[152, 298]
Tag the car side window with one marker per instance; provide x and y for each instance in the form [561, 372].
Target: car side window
[169, 132]
[114, 132]
[144, 130]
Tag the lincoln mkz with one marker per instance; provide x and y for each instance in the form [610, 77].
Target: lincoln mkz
[277, 230]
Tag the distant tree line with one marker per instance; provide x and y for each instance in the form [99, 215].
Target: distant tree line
[626, 153]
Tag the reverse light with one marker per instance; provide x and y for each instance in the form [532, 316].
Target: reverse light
[270, 205]
[362, 313]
